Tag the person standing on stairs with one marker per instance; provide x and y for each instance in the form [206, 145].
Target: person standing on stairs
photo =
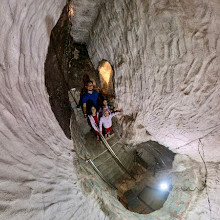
[104, 107]
[106, 122]
[89, 98]
[94, 120]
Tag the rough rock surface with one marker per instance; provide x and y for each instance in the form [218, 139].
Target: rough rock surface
[84, 14]
[37, 177]
[166, 60]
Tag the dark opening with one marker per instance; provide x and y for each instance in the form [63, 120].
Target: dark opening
[67, 66]
[153, 184]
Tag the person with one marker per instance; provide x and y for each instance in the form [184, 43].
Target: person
[89, 98]
[106, 122]
[94, 120]
[84, 89]
[104, 107]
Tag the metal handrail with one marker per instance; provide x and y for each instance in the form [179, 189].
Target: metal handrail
[117, 160]
[104, 151]
[99, 173]
[99, 154]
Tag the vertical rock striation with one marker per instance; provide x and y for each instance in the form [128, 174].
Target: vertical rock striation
[37, 177]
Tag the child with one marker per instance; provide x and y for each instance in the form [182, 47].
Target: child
[106, 121]
[94, 120]
[104, 107]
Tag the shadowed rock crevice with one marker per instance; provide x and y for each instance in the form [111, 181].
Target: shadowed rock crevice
[67, 66]
[56, 65]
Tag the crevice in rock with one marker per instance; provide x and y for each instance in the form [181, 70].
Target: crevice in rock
[202, 155]
[67, 66]
[55, 68]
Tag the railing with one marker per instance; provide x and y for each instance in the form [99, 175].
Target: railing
[115, 157]
[108, 149]
[117, 160]
[99, 173]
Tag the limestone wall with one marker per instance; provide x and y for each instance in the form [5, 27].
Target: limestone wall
[84, 14]
[37, 176]
[166, 58]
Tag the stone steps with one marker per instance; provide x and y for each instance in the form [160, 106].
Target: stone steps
[105, 161]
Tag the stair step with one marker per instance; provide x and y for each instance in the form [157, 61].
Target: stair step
[106, 163]
[126, 160]
[104, 158]
[115, 175]
[107, 168]
[113, 168]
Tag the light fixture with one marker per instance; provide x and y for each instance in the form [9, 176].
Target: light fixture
[164, 186]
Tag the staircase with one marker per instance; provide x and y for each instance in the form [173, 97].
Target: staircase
[99, 155]
[109, 167]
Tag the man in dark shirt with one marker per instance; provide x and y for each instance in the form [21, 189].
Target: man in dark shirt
[89, 98]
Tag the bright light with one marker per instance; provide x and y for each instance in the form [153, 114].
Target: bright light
[71, 12]
[105, 70]
[164, 186]
[105, 74]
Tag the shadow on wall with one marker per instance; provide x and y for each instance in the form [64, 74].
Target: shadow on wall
[55, 65]
[67, 66]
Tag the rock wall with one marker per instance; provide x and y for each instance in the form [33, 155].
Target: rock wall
[37, 176]
[166, 57]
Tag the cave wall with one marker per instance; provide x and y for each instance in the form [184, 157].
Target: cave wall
[57, 68]
[166, 58]
[85, 13]
[37, 176]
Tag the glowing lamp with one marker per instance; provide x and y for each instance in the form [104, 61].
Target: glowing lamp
[164, 186]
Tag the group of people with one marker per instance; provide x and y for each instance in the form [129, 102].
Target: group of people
[98, 112]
